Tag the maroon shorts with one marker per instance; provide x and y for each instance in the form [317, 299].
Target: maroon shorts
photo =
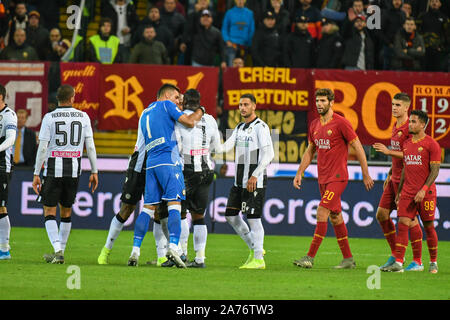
[387, 200]
[331, 195]
[426, 209]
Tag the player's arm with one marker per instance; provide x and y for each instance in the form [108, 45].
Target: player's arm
[379, 147]
[92, 156]
[228, 145]
[10, 138]
[434, 172]
[388, 178]
[189, 121]
[361, 156]
[307, 158]
[41, 156]
[267, 154]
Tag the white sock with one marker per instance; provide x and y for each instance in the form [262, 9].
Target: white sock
[257, 231]
[165, 227]
[241, 229]
[136, 251]
[53, 234]
[200, 236]
[64, 231]
[184, 236]
[5, 230]
[114, 231]
[160, 240]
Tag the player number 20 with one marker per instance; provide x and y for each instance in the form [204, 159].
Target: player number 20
[429, 205]
[328, 195]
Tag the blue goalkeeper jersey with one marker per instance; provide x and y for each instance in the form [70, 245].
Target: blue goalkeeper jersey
[156, 132]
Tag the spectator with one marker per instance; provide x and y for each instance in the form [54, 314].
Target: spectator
[238, 28]
[206, 42]
[175, 22]
[179, 7]
[299, 46]
[49, 10]
[356, 9]
[149, 50]
[407, 9]
[163, 34]
[330, 46]
[18, 49]
[104, 47]
[409, 47]
[124, 20]
[283, 23]
[267, 45]
[391, 22]
[59, 50]
[359, 49]
[37, 36]
[25, 147]
[18, 21]
[54, 38]
[238, 62]
[434, 26]
[3, 24]
[77, 53]
[313, 15]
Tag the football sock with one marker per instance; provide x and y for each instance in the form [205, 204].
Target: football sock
[64, 231]
[342, 238]
[165, 227]
[174, 224]
[415, 235]
[5, 230]
[141, 227]
[241, 229]
[200, 235]
[402, 242]
[52, 232]
[160, 240]
[432, 243]
[184, 236]
[257, 231]
[114, 229]
[388, 228]
[319, 234]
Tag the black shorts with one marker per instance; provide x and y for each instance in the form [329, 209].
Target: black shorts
[197, 190]
[4, 187]
[58, 190]
[250, 203]
[133, 187]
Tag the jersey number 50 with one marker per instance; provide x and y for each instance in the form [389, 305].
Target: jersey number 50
[75, 133]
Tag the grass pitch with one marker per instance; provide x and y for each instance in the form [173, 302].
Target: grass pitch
[27, 276]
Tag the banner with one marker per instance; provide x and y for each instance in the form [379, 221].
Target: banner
[290, 129]
[365, 99]
[26, 88]
[274, 88]
[286, 210]
[127, 89]
[85, 78]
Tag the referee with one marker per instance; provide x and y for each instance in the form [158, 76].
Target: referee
[253, 153]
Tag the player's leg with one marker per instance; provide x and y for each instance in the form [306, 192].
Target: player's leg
[184, 235]
[341, 233]
[5, 225]
[385, 207]
[416, 237]
[160, 238]
[427, 212]
[69, 187]
[234, 206]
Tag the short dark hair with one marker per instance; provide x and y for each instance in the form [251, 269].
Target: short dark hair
[166, 87]
[402, 96]
[249, 96]
[410, 19]
[191, 98]
[105, 20]
[65, 93]
[422, 115]
[325, 92]
[3, 92]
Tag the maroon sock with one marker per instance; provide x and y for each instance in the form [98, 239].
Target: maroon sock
[416, 235]
[432, 242]
[342, 238]
[401, 242]
[319, 234]
[388, 228]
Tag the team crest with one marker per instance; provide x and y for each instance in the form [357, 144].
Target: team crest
[184, 192]
[420, 149]
[249, 130]
[128, 196]
[329, 132]
[399, 133]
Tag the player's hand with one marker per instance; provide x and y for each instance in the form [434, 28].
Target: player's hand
[368, 182]
[37, 184]
[419, 196]
[251, 184]
[93, 182]
[297, 181]
[379, 147]
[386, 181]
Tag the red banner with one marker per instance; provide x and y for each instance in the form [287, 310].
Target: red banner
[26, 88]
[85, 78]
[126, 90]
[365, 99]
[273, 88]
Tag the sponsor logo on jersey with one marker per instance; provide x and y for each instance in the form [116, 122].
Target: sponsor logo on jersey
[413, 159]
[66, 154]
[199, 152]
[322, 143]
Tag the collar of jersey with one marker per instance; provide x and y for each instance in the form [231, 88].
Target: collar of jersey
[412, 139]
[63, 107]
[6, 106]
[248, 124]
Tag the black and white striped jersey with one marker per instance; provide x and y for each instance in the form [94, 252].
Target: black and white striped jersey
[8, 121]
[249, 139]
[65, 129]
[196, 144]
